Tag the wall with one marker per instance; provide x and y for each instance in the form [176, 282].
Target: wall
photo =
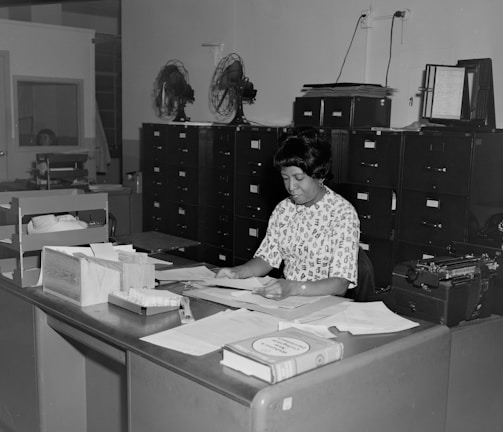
[42, 50]
[286, 43]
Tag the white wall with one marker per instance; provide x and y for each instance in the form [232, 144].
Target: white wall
[49, 51]
[286, 43]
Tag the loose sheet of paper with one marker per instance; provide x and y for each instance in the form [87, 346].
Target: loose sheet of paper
[211, 333]
[184, 274]
[363, 318]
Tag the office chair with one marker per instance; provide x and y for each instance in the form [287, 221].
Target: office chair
[112, 227]
[365, 287]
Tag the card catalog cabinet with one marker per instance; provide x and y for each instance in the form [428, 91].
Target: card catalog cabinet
[213, 184]
[218, 208]
[174, 175]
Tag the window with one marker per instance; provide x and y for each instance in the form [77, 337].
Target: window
[48, 111]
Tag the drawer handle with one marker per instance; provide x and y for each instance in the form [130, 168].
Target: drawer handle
[224, 153]
[434, 169]
[183, 149]
[369, 165]
[223, 233]
[257, 164]
[225, 194]
[432, 224]
[185, 189]
[184, 227]
[367, 217]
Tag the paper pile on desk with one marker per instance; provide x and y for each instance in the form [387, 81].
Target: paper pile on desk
[211, 333]
[204, 276]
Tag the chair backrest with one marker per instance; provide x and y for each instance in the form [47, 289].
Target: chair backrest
[365, 287]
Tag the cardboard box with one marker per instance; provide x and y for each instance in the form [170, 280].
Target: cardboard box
[86, 280]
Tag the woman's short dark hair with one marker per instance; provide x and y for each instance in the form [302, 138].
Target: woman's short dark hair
[306, 149]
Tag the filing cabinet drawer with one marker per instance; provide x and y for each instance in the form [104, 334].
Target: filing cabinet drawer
[218, 228]
[182, 220]
[254, 197]
[376, 208]
[248, 234]
[307, 111]
[437, 163]
[412, 251]
[432, 217]
[220, 192]
[223, 155]
[255, 150]
[218, 256]
[155, 213]
[373, 159]
[183, 146]
[182, 184]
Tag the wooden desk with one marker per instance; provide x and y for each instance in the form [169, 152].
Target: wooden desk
[93, 373]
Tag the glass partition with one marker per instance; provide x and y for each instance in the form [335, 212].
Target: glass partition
[48, 111]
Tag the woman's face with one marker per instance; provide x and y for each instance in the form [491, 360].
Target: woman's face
[302, 189]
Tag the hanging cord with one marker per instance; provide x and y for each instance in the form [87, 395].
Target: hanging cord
[350, 44]
[395, 15]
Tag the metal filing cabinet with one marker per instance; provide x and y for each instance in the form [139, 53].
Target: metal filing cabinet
[370, 182]
[258, 187]
[218, 210]
[213, 184]
[173, 172]
[435, 190]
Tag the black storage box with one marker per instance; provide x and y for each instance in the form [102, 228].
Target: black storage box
[444, 290]
[343, 112]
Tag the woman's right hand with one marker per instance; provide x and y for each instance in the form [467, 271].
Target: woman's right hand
[228, 272]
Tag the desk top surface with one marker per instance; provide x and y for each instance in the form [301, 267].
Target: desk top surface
[122, 329]
[155, 242]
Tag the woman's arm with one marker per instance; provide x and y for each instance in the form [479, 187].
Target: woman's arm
[284, 288]
[255, 267]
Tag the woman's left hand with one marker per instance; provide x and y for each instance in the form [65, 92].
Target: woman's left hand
[278, 290]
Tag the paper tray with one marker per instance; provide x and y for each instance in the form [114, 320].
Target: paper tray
[136, 308]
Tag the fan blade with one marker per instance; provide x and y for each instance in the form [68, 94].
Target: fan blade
[222, 98]
[231, 75]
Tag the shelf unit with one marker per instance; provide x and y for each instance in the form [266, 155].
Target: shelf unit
[21, 251]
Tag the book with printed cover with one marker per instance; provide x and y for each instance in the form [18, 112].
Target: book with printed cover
[282, 354]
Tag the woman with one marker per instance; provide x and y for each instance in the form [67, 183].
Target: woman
[314, 232]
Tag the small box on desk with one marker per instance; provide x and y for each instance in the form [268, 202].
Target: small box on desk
[86, 280]
[342, 112]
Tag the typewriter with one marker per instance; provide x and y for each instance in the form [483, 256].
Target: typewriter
[445, 290]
